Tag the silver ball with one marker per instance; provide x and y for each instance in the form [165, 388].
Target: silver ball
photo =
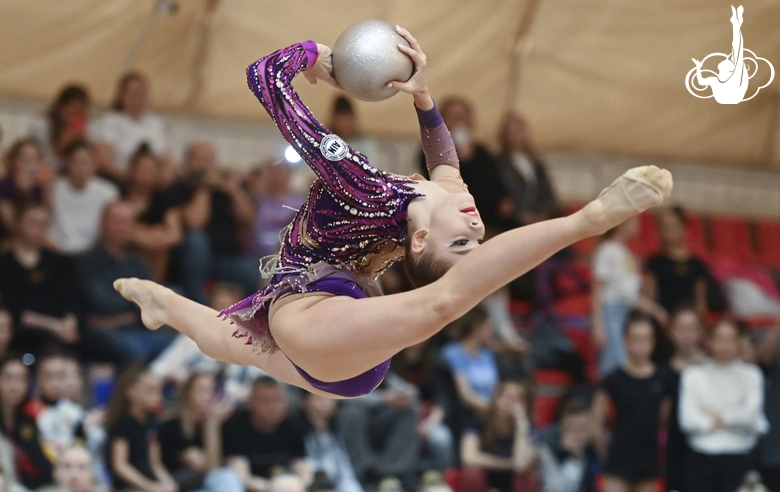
[366, 58]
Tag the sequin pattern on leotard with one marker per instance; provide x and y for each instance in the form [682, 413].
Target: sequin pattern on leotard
[353, 222]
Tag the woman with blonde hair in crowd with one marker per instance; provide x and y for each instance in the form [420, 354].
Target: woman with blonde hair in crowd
[191, 440]
[499, 453]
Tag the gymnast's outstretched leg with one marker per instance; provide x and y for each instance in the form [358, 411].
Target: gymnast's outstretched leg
[162, 306]
[337, 338]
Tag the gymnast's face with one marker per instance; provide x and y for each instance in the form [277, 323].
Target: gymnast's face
[455, 228]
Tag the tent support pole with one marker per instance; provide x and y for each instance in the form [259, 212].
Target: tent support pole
[521, 45]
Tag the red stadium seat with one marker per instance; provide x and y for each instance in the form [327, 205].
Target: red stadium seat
[768, 243]
[697, 236]
[550, 386]
[648, 241]
[731, 239]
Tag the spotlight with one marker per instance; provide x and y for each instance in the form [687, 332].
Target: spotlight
[291, 156]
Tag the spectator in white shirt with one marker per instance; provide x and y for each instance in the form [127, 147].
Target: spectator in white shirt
[721, 413]
[616, 291]
[78, 200]
[121, 131]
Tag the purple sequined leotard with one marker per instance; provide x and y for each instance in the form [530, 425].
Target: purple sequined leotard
[352, 225]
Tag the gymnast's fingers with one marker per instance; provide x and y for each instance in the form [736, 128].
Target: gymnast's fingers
[408, 87]
[418, 58]
[408, 36]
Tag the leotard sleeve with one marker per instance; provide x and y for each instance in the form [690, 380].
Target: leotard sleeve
[438, 147]
[270, 79]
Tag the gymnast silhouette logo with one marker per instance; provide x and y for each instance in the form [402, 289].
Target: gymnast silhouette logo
[730, 84]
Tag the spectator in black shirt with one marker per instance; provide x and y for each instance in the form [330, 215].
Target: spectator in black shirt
[133, 451]
[32, 466]
[106, 310]
[524, 174]
[477, 166]
[191, 441]
[676, 276]
[159, 227]
[37, 286]
[639, 391]
[215, 209]
[263, 439]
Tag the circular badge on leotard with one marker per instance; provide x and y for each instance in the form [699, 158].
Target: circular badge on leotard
[333, 148]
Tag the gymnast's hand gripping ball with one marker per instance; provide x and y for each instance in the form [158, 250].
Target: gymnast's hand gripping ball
[366, 58]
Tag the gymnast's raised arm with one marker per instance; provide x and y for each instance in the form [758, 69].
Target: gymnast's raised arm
[438, 147]
[270, 79]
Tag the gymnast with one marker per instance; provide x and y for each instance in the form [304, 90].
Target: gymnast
[322, 323]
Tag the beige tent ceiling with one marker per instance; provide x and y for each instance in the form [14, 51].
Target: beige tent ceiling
[596, 76]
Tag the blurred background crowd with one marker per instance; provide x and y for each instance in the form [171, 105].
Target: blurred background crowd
[644, 360]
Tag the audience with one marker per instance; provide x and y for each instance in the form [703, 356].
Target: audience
[567, 459]
[191, 231]
[215, 210]
[191, 441]
[685, 332]
[639, 392]
[472, 362]
[325, 452]
[107, 311]
[159, 227]
[721, 414]
[676, 275]
[615, 292]
[119, 132]
[275, 210]
[769, 449]
[524, 174]
[26, 180]
[33, 467]
[73, 472]
[262, 439]
[66, 122]
[417, 366]
[36, 284]
[134, 457]
[499, 453]
[78, 200]
[379, 431]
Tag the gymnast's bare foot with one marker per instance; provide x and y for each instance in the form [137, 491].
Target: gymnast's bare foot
[637, 190]
[147, 295]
